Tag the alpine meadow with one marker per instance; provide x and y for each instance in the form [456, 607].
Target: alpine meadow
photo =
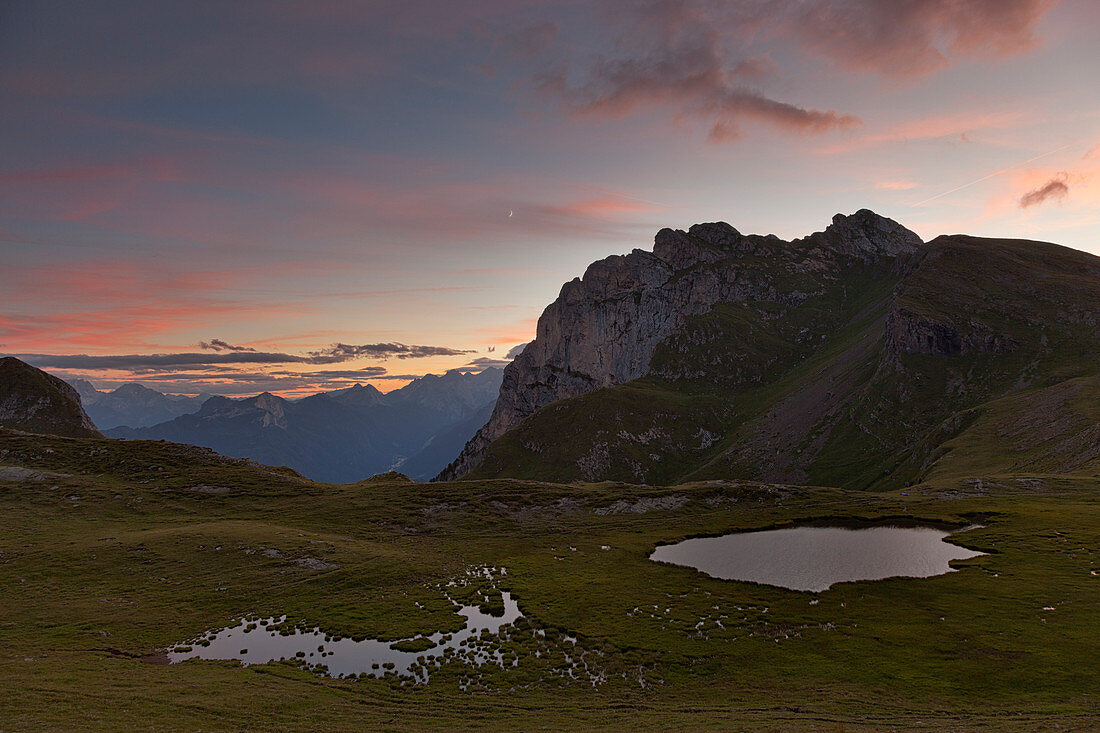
[361, 368]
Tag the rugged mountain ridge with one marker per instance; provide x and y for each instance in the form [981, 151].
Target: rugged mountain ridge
[857, 356]
[344, 435]
[36, 402]
[604, 328]
[133, 405]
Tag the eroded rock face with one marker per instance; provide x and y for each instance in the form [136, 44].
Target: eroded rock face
[36, 402]
[911, 333]
[867, 235]
[604, 327]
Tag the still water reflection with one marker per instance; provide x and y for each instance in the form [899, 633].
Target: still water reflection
[813, 558]
[261, 640]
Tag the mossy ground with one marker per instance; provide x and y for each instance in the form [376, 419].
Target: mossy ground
[149, 544]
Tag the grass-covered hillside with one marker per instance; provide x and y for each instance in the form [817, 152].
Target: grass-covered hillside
[114, 551]
[878, 380]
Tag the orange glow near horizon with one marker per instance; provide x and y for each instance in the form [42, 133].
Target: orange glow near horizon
[336, 175]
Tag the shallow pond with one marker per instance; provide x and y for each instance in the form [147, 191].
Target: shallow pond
[814, 558]
[258, 642]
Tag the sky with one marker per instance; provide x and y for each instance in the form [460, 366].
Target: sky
[298, 196]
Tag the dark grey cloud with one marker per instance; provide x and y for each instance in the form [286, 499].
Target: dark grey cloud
[482, 363]
[674, 55]
[713, 62]
[384, 351]
[370, 372]
[334, 354]
[241, 383]
[1055, 188]
[516, 351]
[173, 361]
[908, 38]
[219, 345]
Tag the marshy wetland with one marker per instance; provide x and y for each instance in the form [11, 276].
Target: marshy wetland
[104, 570]
[258, 641]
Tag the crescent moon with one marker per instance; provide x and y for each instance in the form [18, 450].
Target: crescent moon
[509, 213]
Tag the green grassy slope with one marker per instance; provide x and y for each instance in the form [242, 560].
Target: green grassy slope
[142, 545]
[862, 386]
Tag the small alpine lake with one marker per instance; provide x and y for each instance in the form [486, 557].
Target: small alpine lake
[813, 558]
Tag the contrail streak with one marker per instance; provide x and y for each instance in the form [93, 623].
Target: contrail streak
[992, 175]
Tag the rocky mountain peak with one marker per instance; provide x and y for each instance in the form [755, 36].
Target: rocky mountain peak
[36, 402]
[273, 406]
[868, 235]
[87, 391]
[701, 243]
[718, 233]
[133, 389]
[604, 327]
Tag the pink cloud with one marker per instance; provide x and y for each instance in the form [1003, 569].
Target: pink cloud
[677, 59]
[78, 193]
[960, 126]
[1054, 189]
[119, 304]
[907, 38]
[601, 207]
[701, 60]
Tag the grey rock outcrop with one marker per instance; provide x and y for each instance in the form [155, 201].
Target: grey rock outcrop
[911, 333]
[604, 327]
[36, 402]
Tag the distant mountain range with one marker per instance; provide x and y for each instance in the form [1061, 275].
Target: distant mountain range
[133, 405]
[340, 436]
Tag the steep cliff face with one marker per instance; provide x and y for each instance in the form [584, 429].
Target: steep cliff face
[36, 402]
[857, 356]
[604, 328]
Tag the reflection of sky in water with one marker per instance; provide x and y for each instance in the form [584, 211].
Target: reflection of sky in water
[813, 558]
[342, 657]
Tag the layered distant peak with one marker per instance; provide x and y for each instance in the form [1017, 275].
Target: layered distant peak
[275, 407]
[345, 434]
[133, 405]
[455, 393]
[87, 391]
[36, 402]
[867, 235]
[217, 403]
[359, 395]
[266, 409]
[133, 389]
